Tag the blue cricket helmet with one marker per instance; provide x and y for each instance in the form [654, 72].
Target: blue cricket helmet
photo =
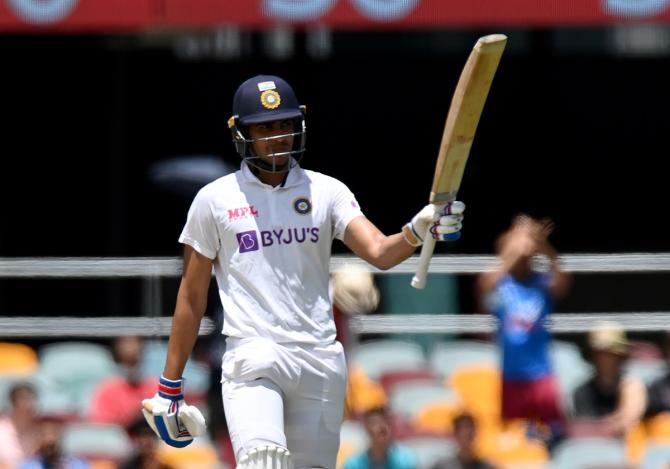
[266, 98]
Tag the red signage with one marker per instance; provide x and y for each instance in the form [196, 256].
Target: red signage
[120, 15]
[363, 14]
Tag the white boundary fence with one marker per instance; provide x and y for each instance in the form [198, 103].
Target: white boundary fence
[153, 269]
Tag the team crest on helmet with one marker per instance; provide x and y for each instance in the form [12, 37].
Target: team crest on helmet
[270, 99]
[302, 205]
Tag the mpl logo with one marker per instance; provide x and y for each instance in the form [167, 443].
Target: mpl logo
[242, 212]
[248, 241]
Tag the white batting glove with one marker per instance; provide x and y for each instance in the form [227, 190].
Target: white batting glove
[445, 222]
[175, 422]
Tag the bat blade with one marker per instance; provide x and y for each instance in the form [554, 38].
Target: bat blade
[465, 110]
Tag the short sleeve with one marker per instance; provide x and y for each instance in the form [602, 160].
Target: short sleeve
[200, 231]
[344, 208]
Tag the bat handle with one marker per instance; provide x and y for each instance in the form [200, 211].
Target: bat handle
[419, 279]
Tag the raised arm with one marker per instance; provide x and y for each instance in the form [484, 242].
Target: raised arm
[373, 246]
[513, 246]
[561, 281]
[384, 252]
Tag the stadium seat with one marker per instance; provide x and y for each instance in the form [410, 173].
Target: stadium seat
[73, 369]
[391, 378]
[510, 448]
[381, 356]
[565, 354]
[428, 450]
[656, 457]
[570, 369]
[658, 429]
[448, 356]
[407, 399]
[96, 441]
[636, 443]
[363, 393]
[437, 417]
[646, 370]
[479, 388]
[17, 359]
[200, 454]
[587, 453]
[195, 374]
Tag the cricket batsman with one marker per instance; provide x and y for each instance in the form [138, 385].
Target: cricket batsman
[267, 232]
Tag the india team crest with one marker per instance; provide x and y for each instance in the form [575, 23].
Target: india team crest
[302, 205]
[270, 99]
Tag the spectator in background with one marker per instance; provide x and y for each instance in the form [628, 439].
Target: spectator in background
[115, 399]
[659, 390]
[465, 432]
[145, 443]
[615, 402]
[19, 428]
[383, 452]
[522, 299]
[49, 453]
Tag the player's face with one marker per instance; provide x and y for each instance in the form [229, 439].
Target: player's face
[273, 138]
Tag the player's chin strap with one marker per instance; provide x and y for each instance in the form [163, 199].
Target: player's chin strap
[266, 457]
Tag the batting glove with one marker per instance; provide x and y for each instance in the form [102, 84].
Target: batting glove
[445, 222]
[175, 422]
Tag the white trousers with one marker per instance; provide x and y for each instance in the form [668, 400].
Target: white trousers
[287, 395]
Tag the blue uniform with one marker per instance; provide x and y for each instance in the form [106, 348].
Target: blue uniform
[522, 308]
[397, 457]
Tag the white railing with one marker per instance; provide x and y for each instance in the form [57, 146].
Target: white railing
[153, 269]
[110, 267]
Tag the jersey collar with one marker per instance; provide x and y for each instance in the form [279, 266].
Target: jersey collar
[294, 178]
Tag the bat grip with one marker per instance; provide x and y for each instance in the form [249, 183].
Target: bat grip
[419, 279]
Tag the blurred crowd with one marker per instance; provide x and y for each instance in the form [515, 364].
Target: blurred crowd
[77, 405]
[516, 399]
[397, 416]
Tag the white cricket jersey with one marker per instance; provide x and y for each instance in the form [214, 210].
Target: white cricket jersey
[271, 248]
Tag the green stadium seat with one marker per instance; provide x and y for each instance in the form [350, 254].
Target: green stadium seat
[381, 356]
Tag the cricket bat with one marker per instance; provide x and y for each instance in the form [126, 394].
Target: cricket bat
[459, 131]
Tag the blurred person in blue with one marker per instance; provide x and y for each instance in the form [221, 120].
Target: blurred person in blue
[522, 299]
[614, 401]
[49, 453]
[383, 452]
[19, 427]
[267, 232]
[464, 434]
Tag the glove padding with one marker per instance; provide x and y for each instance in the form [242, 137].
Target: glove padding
[168, 415]
[445, 223]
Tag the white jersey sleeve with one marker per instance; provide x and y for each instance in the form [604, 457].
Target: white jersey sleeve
[345, 208]
[201, 231]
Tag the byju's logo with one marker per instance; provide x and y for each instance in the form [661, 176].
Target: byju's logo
[248, 241]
